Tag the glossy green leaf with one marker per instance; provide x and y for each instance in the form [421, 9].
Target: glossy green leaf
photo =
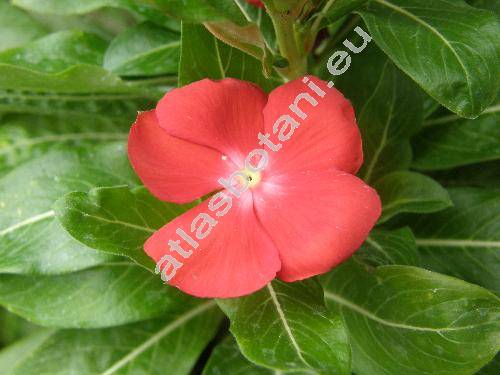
[168, 345]
[100, 220]
[206, 57]
[384, 247]
[405, 191]
[24, 138]
[407, 320]
[31, 239]
[17, 27]
[389, 110]
[57, 52]
[286, 326]
[449, 48]
[145, 49]
[464, 241]
[107, 295]
[453, 142]
[226, 358]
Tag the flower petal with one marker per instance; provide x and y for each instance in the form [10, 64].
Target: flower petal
[328, 137]
[173, 169]
[225, 115]
[316, 219]
[236, 258]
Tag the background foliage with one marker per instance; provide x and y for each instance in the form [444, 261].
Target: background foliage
[78, 295]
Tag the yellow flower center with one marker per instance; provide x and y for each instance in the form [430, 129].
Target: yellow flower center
[253, 178]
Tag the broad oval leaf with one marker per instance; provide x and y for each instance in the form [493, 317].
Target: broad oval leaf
[57, 52]
[405, 191]
[449, 48]
[407, 320]
[464, 240]
[168, 345]
[101, 220]
[286, 326]
[103, 296]
[142, 50]
[31, 239]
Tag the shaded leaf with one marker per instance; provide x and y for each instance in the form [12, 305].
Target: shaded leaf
[455, 142]
[405, 191]
[168, 345]
[103, 296]
[389, 110]
[453, 58]
[206, 57]
[406, 320]
[286, 326]
[464, 240]
[384, 247]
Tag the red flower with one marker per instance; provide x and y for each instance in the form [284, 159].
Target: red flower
[257, 3]
[303, 214]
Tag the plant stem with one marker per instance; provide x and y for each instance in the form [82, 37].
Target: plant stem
[289, 44]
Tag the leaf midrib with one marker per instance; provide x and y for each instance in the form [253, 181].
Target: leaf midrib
[368, 314]
[439, 35]
[284, 321]
[171, 326]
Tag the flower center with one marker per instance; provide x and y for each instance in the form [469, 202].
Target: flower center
[253, 178]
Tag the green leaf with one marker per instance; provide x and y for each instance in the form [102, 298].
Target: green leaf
[334, 10]
[464, 240]
[389, 110]
[31, 239]
[24, 138]
[406, 320]
[100, 220]
[145, 49]
[11, 356]
[286, 326]
[410, 192]
[203, 56]
[17, 27]
[454, 142]
[475, 175]
[384, 247]
[103, 296]
[168, 345]
[198, 11]
[57, 52]
[13, 328]
[458, 68]
[226, 358]
[76, 7]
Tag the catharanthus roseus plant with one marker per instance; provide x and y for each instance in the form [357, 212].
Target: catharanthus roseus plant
[290, 207]
[238, 186]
